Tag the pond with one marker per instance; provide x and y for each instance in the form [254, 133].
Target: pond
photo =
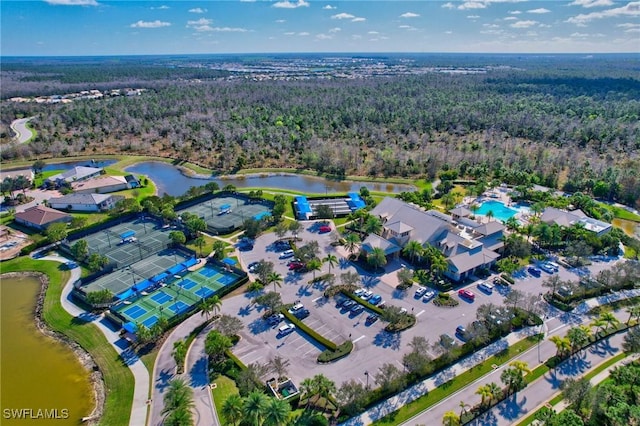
[70, 165]
[37, 371]
[170, 180]
[630, 227]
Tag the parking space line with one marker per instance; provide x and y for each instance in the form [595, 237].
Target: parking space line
[309, 351]
[317, 298]
[420, 313]
[359, 338]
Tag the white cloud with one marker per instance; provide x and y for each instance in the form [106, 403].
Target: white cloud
[289, 33]
[591, 3]
[324, 37]
[247, 1]
[628, 25]
[304, 34]
[198, 10]
[373, 32]
[632, 30]
[150, 24]
[335, 30]
[630, 9]
[510, 18]
[514, 12]
[491, 25]
[343, 16]
[409, 15]
[407, 27]
[286, 4]
[356, 36]
[281, 21]
[473, 16]
[229, 30]
[163, 7]
[523, 24]
[358, 19]
[448, 32]
[329, 7]
[201, 21]
[72, 2]
[579, 35]
[449, 5]
[540, 10]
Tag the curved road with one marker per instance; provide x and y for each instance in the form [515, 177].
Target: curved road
[139, 371]
[23, 133]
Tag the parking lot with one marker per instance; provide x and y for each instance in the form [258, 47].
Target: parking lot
[372, 345]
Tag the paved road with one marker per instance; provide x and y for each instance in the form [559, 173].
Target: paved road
[23, 133]
[165, 369]
[139, 371]
[197, 372]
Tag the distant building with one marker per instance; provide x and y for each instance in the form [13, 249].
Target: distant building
[85, 202]
[77, 174]
[104, 184]
[27, 173]
[552, 215]
[40, 217]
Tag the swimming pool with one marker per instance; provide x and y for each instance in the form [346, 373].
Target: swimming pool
[498, 209]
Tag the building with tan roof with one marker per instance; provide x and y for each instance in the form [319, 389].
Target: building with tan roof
[40, 217]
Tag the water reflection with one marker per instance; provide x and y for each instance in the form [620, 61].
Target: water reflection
[170, 180]
[72, 164]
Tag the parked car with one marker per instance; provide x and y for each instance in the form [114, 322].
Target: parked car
[447, 341]
[357, 308]
[324, 229]
[486, 287]
[460, 330]
[366, 295]
[371, 319]
[348, 304]
[275, 319]
[430, 294]
[286, 254]
[547, 268]
[295, 266]
[467, 294]
[420, 291]
[382, 304]
[359, 291]
[342, 302]
[534, 271]
[285, 329]
[296, 307]
[302, 313]
[253, 266]
[375, 299]
[71, 265]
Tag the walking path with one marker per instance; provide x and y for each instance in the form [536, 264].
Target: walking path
[198, 373]
[129, 357]
[534, 357]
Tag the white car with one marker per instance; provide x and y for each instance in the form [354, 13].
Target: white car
[366, 295]
[428, 296]
[296, 307]
[359, 291]
[420, 291]
[285, 329]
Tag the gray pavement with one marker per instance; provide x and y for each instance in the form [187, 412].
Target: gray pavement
[128, 356]
[23, 133]
[198, 378]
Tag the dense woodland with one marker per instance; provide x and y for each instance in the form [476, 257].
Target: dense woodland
[565, 123]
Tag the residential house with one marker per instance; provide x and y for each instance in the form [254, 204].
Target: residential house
[40, 217]
[552, 215]
[103, 185]
[26, 173]
[85, 202]
[467, 245]
[76, 174]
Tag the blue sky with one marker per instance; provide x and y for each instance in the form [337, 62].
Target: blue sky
[95, 27]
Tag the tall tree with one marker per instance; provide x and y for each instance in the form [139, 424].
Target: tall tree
[255, 408]
[178, 401]
[351, 242]
[330, 260]
[413, 249]
[232, 409]
[275, 279]
[276, 412]
[450, 418]
[376, 258]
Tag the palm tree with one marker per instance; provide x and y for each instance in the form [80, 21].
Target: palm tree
[609, 319]
[178, 397]
[563, 345]
[376, 258]
[232, 408]
[513, 379]
[351, 242]
[324, 386]
[495, 390]
[634, 312]
[274, 278]
[199, 242]
[372, 225]
[439, 264]
[599, 324]
[179, 417]
[278, 366]
[463, 408]
[485, 393]
[512, 224]
[314, 265]
[578, 336]
[413, 249]
[450, 418]
[254, 407]
[276, 412]
[330, 260]
[210, 305]
[489, 215]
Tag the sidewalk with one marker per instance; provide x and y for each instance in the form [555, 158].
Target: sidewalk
[197, 373]
[139, 371]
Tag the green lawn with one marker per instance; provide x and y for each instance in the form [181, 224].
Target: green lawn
[621, 213]
[455, 384]
[224, 387]
[119, 382]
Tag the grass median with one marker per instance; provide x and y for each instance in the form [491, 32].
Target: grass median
[447, 389]
[118, 380]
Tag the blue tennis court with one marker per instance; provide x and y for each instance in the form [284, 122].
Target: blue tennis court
[226, 279]
[179, 307]
[135, 312]
[204, 292]
[187, 284]
[149, 322]
[207, 272]
[161, 297]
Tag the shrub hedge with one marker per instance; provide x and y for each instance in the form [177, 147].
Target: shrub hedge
[332, 355]
[311, 332]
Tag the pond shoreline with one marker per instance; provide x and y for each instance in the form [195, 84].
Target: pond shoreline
[85, 359]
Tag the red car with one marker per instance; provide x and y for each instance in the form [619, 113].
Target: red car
[466, 294]
[324, 229]
[296, 266]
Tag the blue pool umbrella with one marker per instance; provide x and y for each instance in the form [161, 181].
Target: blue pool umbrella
[229, 261]
[130, 327]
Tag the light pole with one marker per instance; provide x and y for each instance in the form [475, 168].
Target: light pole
[366, 373]
[108, 238]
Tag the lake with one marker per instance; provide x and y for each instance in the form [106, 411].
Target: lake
[38, 372]
[170, 180]
[70, 165]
